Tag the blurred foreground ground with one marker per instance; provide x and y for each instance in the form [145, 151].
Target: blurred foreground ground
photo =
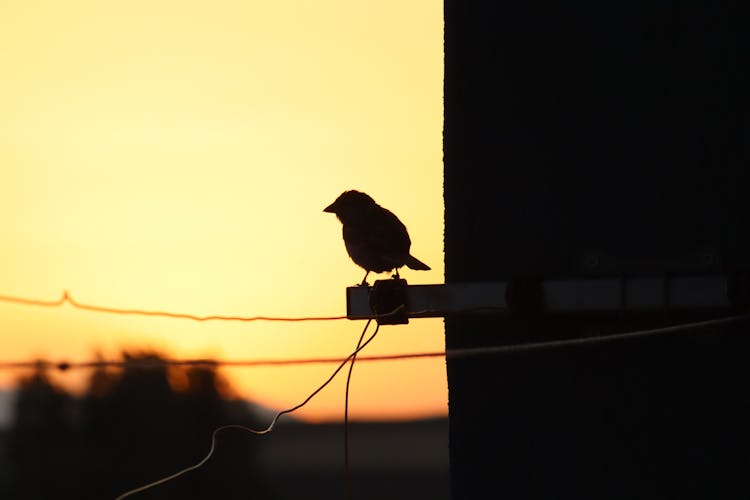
[402, 460]
[133, 426]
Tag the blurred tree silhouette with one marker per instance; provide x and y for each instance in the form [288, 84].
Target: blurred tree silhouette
[39, 463]
[131, 427]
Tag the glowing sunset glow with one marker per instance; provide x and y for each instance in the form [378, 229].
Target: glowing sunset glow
[178, 156]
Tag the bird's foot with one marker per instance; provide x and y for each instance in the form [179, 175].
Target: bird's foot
[364, 280]
[395, 275]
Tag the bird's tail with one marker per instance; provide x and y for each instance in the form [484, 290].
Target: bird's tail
[414, 263]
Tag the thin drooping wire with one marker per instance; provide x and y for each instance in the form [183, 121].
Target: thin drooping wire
[267, 430]
[597, 339]
[346, 418]
[66, 298]
[448, 353]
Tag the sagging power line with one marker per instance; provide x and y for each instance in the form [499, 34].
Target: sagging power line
[67, 299]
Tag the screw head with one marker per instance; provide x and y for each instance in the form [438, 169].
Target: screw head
[591, 261]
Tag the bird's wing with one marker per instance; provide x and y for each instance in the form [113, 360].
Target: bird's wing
[388, 236]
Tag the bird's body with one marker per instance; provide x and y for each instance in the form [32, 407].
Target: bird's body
[374, 237]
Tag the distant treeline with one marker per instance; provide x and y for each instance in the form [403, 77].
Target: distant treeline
[133, 425]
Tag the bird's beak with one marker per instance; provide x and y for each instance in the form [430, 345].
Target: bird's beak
[330, 208]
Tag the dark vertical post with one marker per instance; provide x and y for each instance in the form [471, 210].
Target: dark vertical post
[596, 138]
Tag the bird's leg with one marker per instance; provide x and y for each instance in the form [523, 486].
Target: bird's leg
[396, 276]
[364, 280]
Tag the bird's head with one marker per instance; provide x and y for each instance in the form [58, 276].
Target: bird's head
[350, 204]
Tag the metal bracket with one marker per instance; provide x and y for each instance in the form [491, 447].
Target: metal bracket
[600, 295]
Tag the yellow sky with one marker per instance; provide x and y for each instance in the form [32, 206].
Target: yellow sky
[177, 155]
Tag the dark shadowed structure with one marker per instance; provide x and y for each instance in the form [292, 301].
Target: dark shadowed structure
[587, 139]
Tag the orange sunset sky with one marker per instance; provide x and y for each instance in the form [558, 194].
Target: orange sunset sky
[177, 155]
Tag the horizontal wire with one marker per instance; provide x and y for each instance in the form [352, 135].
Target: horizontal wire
[455, 353]
[66, 298]
[155, 363]
[596, 339]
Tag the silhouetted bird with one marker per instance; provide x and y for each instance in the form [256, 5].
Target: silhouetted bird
[375, 239]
